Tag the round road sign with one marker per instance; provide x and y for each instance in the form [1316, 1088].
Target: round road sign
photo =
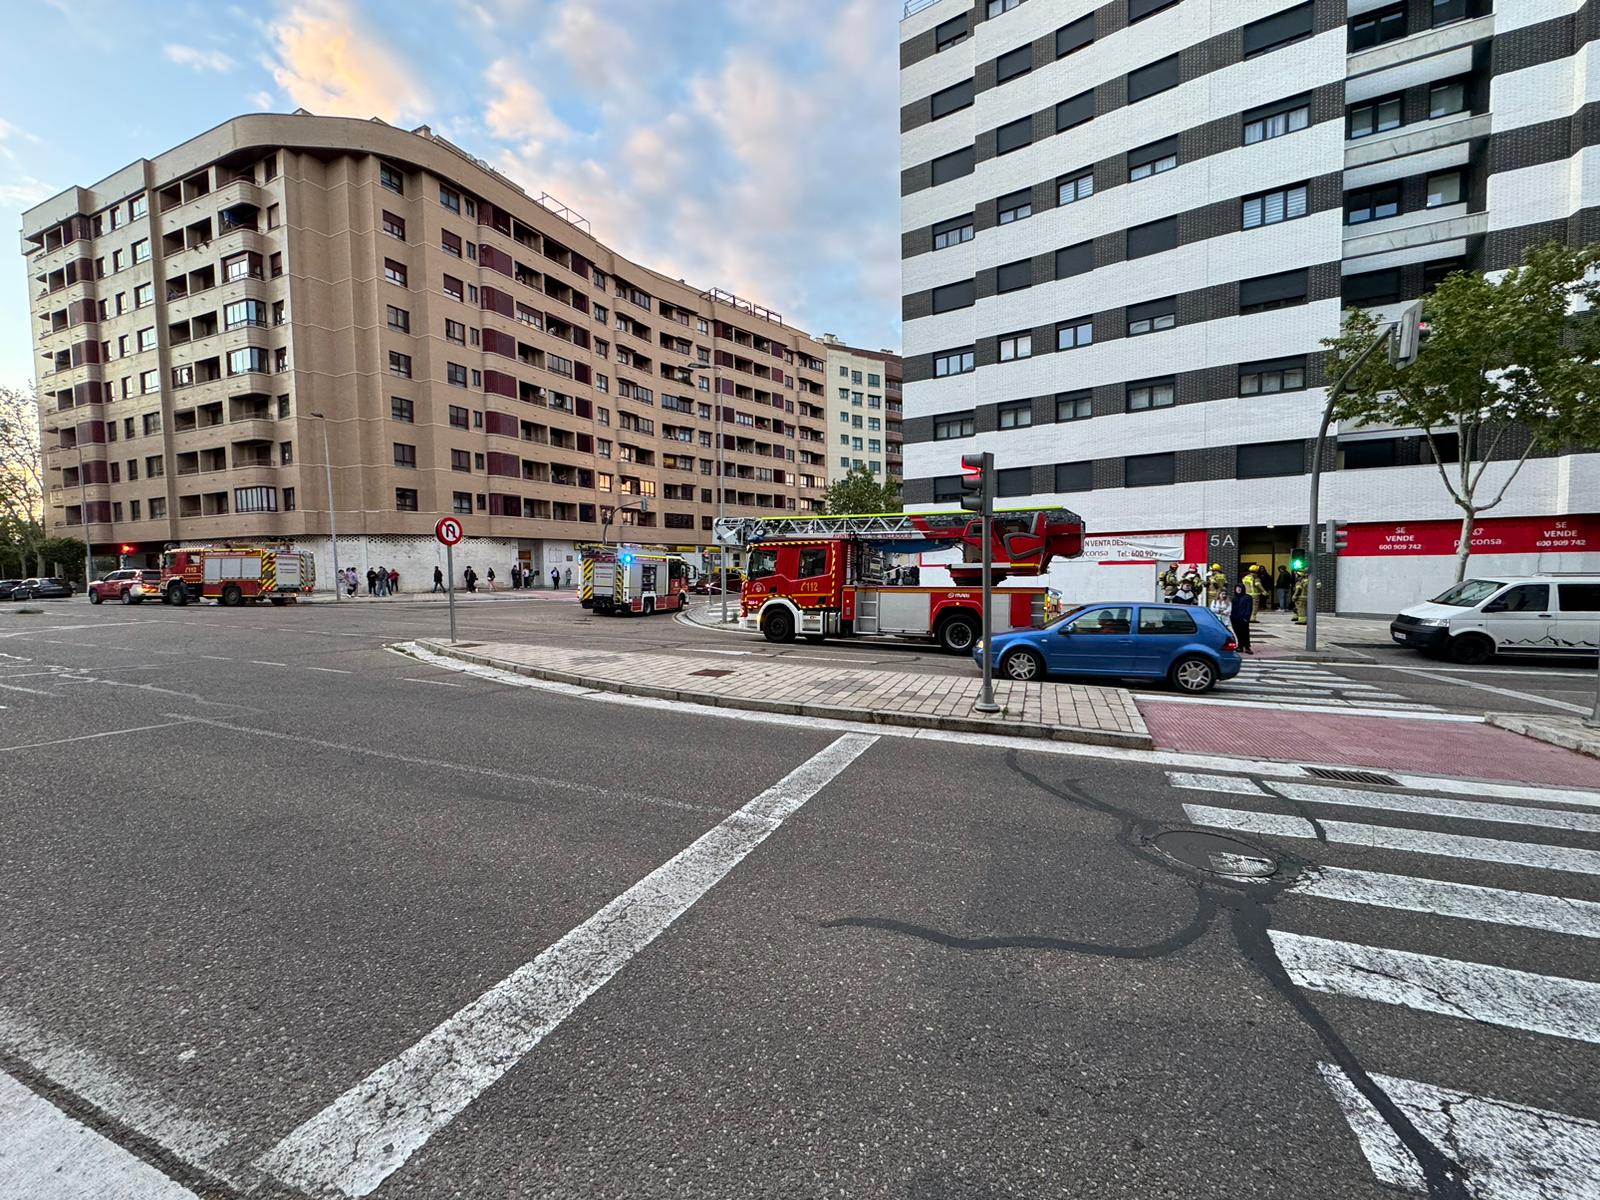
[448, 531]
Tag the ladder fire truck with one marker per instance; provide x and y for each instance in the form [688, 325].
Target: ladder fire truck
[625, 580]
[837, 576]
[234, 575]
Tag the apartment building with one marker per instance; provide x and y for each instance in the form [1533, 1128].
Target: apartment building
[864, 411]
[222, 326]
[1128, 225]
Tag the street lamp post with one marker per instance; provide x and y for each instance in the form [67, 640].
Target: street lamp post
[333, 521]
[722, 471]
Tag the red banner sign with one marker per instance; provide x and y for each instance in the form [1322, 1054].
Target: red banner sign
[1503, 535]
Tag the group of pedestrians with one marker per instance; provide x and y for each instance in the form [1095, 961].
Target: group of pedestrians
[381, 581]
[1237, 604]
[523, 577]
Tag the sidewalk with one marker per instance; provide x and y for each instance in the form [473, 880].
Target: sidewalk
[1066, 712]
[462, 596]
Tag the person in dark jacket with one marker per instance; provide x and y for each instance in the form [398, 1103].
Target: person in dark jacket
[470, 578]
[1244, 606]
[555, 578]
[1284, 584]
[372, 582]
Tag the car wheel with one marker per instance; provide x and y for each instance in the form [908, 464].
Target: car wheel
[1471, 649]
[957, 635]
[232, 597]
[778, 626]
[1025, 666]
[94, 597]
[1193, 675]
[127, 595]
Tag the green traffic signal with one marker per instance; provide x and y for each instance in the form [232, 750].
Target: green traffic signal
[1297, 560]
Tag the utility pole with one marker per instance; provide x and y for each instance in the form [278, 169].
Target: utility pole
[333, 523]
[977, 480]
[722, 466]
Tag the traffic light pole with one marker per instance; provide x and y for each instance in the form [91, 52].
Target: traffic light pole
[986, 702]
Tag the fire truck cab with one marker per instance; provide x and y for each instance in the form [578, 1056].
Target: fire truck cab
[234, 575]
[626, 581]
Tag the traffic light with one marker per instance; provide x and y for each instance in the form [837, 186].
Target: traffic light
[1297, 559]
[127, 549]
[1410, 335]
[977, 482]
[1334, 537]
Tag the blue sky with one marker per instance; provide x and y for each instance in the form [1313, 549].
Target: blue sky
[743, 144]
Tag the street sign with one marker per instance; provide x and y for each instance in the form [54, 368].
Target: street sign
[448, 531]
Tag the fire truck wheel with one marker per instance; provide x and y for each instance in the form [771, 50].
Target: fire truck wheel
[778, 626]
[1025, 666]
[232, 597]
[177, 593]
[649, 607]
[957, 634]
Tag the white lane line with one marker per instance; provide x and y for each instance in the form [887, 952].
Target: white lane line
[215, 657]
[1500, 791]
[88, 737]
[1350, 709]
[365, 1135]
[1446, 898]
[1541, 672]
[1439, 806]
[256, 662]
[16, 687]
[434, 682]
[1530, 697]
[1412, 841]
[1548, 1004]
[330, 670]
[46, 1155]
[1507, 1151]
[1236, 784]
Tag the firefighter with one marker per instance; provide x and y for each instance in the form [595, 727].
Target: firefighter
[1169, 584]
[1252, 585]
[1216, 584]
[1299, 597]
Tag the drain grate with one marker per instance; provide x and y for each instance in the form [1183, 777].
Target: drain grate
[712, 672]
[1346, 776]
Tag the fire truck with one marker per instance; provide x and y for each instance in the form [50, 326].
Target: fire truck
[844, 576]
[626, 580]
[234, 575]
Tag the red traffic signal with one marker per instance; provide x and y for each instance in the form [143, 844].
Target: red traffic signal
[977, 482]
[126, 549]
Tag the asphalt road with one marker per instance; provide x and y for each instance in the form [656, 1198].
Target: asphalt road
[290, 914]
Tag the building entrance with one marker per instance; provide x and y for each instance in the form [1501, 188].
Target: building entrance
[1269, 546]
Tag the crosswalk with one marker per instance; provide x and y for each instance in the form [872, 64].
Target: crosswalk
[1491, 1145]
[1309, 685]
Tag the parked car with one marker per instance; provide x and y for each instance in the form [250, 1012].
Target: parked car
[43, 588]
[1186, 645]
[7, 586]
[1538, 615]
[130, 586]
[710, 583]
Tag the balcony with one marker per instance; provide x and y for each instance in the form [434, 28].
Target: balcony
[1413, 237]
[1449, 48]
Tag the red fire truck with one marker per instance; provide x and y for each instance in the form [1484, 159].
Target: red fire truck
[234, 575]
[628, 580]
[843, 576]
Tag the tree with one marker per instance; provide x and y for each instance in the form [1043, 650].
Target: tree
[22, 532]
[861, 492]
[1508, 366]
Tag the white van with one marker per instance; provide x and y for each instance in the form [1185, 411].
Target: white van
[1528, 614]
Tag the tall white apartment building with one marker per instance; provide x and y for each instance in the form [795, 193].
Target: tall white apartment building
[1128, 225]
[864, 394]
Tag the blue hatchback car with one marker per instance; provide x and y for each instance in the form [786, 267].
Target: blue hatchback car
[1186, 645]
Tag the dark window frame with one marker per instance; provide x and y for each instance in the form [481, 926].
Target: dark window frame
[1007, 276]
[1276, 291]
[1074, 260]
[1071, 35]
[1006, 137]
[1008, 208]
[1154, 386]
[956, 165]
[1022, 54]
[1074, 111]
[1376, 27]
[1151, 237]
[963, 225]
[1065, 473]
[1134, 464]
[1153, 78]
[940, 103]
[1281, 29]
[950, 297]
[1153, 314]
[1081, 406]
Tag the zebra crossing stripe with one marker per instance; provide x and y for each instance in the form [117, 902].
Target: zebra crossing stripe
[1236, 784]
[1547, 1004]
[1446, 898]
[1508, 1151]
[1414, 841]
[1440, 806]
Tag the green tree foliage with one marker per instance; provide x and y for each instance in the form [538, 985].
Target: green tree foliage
[1509, 365]
[862, 492]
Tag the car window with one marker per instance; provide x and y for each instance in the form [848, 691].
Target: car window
[1579, 597]
[762, 563]
[1470, 593]
[150, 576]
[1166, 620]
[1102, 621]
[1524, 598]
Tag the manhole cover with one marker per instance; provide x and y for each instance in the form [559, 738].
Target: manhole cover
[1215, 854]
[1345, 775]
[715, 674]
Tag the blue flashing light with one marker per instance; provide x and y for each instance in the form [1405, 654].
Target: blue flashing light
[626, 557]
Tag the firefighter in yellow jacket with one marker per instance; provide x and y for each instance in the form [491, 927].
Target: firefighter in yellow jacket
[1252, 585]
[1216, 584]
[1299, 597]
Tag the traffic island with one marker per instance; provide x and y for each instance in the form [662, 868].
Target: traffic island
[1570, 733]
[1104, 716]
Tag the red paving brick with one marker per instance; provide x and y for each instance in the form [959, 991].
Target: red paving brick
[1391, 743]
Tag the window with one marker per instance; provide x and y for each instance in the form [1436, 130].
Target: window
[277, 312]
[1372, 204]
[399, 364]
[1014, 276]
[274, 216]
[1372, 287]
[1375, 116]
[1016, 345]
[394, 272]
[950, 99]
[1013, 63]
[1152, 316]
[952, 296]
[1279, 29]
[141, 250]
[1444, 188]
[143, 295]
[1273, 375]
[404, 455]
[455, 331]
[1375, 28]
[1140, 9]
[1153, 159]
[952, 232]
[1074, 37]
[1152, 238]
[460, 460]
[1072, 334]
[405, 499]
[1013, 481]
[450, 198]
[1014, 414]
[1263, 460]
[458, 417]
[133, 505]
[452, 287]
[399, 319]
[1271, 208]
[1274, 120]
[1074, 477]
[953, 165]
[1149, 470]
[158, 508]
[996, 7]
[1443, 99]
[1074, 260]
[1074, 406]
[1014, 207]
[255, 499]
[138, 206]
[1578, 597]
[151, 425]
[147, 339]
[948, 33]
[1148, 80]
[955, 425]
[455, 374]
[1170, 621]
[247, 359]
[1272, 291]
[1075, 187]
[953, 362]
[450, 243]
[391, 178]
[1151, 393]
[1013, 135]
[461, 502]
[1448, 10]
[394, 226]
[1076, 111]
[402, 409]
[277, 264]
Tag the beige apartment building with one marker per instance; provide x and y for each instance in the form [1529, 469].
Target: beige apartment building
[864, 410]
[221, 326]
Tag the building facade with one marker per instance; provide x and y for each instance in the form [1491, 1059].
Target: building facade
[222, 326]
[864, 414]
[1128, 226]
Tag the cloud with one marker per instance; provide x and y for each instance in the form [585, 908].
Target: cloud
[518, 111]
[25, 192]
[599, 52]
[197, 59]
[264, 101]
[325, 60]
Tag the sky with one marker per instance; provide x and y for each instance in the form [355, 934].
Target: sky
[750, 145]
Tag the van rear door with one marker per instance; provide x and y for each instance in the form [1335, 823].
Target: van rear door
[1578, 615]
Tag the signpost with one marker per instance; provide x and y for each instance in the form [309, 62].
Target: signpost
[449, 532]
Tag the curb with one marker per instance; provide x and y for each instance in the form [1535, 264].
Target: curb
[866, 716]
[1567, 732]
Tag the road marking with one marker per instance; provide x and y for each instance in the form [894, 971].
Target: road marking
[46, 1155]
[1350, 709]
[1446, 898]
[434, 682]
[215, 657]
[14, 687]
[330, 670]
[1581, 709]
[256, 662]
[1505, 1150]
[1548, 1004]
[1414, 841]
[87, 737]
[365, 1135]
[1541, 672]
[1438, 806]
[1236, 784]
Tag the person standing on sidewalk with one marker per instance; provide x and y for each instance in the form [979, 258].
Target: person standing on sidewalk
[438, 579]
[394, 582]
[470, 578]
[372, 582]
[490, 578]
[1284, 584]
[1244, 607]
[516, 577]
[555, 578]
